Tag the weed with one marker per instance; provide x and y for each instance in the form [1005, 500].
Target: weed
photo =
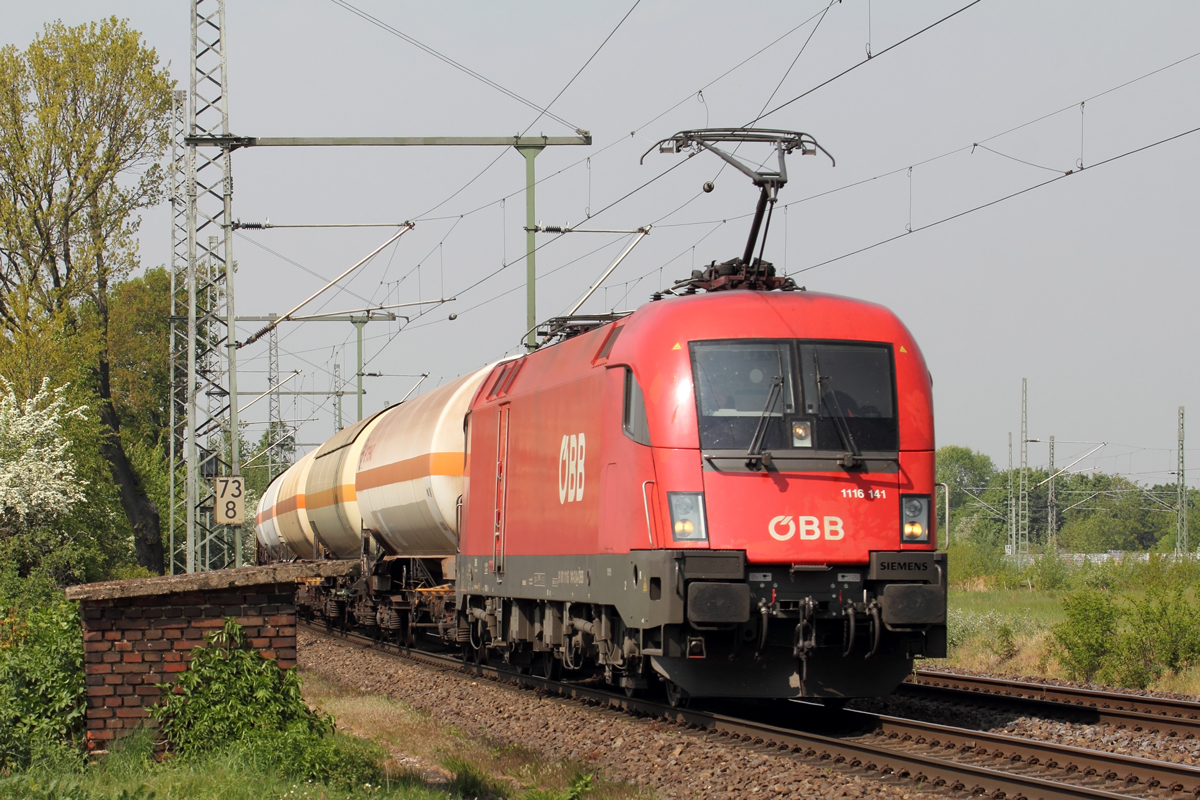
[470, 781]
[1004, 646]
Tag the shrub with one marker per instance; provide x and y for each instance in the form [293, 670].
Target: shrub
[41, 681]
[1161, 635]
[1085, 638]
[1049, 572]
[980, 563]
[229, 692]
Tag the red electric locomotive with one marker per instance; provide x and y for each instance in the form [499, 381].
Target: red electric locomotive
[731, 491]
[728, 492]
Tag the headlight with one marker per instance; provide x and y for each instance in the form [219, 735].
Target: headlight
[914, 519]
[687, 516]
[801, 433]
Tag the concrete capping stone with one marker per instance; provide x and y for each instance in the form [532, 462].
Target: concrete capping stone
[212, 580]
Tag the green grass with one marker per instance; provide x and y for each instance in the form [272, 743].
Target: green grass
[1042, 608]
[131, 773]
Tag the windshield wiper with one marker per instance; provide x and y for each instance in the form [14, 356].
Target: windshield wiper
[853, 456]
[754, 455]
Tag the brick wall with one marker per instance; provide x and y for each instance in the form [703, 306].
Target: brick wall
[132, 643]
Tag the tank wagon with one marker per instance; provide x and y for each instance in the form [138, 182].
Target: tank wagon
[726, 492]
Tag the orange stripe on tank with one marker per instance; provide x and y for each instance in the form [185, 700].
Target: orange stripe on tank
[289, 505]
[328, 497]
[411, 469]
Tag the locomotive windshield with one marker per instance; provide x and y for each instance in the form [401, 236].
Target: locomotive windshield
[835, 396]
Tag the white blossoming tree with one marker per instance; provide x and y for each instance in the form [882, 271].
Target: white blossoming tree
[37, 476]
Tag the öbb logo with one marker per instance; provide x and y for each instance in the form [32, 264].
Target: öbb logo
[784, 528]
[570, 468]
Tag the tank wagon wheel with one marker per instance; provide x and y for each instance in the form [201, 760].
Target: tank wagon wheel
[474, 656]
[328, 624]
[676, 697]
[409, 634]
[634, 692]
[551, 666]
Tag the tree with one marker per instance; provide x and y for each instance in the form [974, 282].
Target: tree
[84, 118]
[963, 468]
[37, 476]
[139, 355]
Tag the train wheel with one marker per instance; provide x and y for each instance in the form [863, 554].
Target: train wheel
[410, 636]
[676, 697]
[551, 666]
[470, 655]
[634, 692]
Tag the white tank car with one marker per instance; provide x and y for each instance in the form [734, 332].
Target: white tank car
[264, 519]
[330, 499]
[410, 473]
[291, 517]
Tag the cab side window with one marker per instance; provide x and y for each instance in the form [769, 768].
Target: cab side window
[634, 421]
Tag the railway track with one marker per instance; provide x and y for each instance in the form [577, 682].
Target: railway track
[953, 759]
[1127, 711]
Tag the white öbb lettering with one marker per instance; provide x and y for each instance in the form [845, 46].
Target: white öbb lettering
[570, 468]
[809, 528]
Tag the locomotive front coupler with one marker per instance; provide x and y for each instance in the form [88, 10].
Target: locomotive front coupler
[804, 640]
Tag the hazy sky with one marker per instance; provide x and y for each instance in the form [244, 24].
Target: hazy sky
[1086, 286]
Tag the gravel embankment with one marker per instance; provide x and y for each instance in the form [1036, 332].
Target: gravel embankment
[670, 761]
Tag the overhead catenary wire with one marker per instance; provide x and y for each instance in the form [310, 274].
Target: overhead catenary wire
[651, 121]
[857, 183]
[450, 61]
[998, 200]
[866, 60]
[803, 47]
[929, 160]
[761, 116]
[579, 72]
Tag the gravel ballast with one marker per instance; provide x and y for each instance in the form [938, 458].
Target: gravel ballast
[653, 754]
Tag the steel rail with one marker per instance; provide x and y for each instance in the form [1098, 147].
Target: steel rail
[1134, 712]
[854, 753]
[1059, 760]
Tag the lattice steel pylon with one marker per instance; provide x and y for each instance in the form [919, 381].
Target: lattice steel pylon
[1181, 515]
[275, 464]
[205, 443]
[1022, 550]
[177, 514]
